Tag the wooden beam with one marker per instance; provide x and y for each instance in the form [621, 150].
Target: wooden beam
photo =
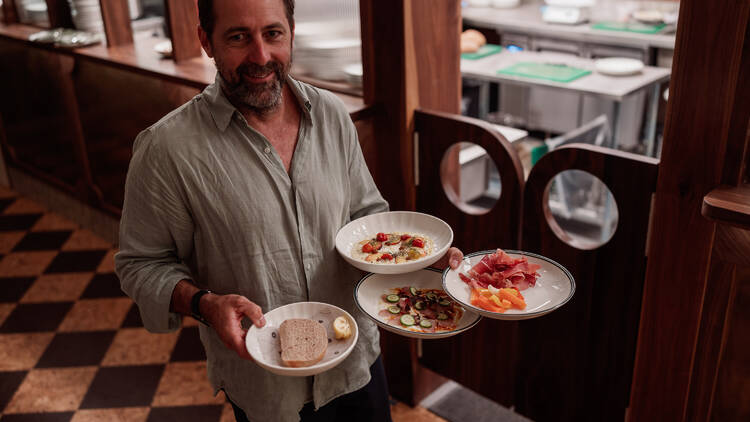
[182, 20]
[410, 58]
[117, 26]
[59, 15]
[10, 13]
[703, 99]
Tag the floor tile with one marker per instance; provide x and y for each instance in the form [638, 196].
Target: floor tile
[22, 351]
[61, 287]
[9, 382]
[96, 314]
[76, 261]
[185, 383]
[6, 192]
[38, 417]
[42, 241]
[13, 288]
[5, 310]
[133, 346]
[24, 206]
[103, 285]
[206, 413]
[400, 411]
[133, 318]
[5, 202]
[28, 317]
[189, 346]
[123, 386]
[83, 239]
[52, 390]
[17, 222]
[51, 222]
[76, 349]
[123, 414]
[108, 262]
[23, 264]
[8, 240]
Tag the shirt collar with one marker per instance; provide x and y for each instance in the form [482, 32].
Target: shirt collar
[222, 110]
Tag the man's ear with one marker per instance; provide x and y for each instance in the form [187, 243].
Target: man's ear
[205, 41]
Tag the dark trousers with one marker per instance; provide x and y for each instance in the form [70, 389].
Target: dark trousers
[368, 404]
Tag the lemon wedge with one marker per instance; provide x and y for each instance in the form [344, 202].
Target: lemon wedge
[341, 328]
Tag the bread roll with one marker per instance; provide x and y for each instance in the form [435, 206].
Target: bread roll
[303, 342]
[473, 34]
[469, 46]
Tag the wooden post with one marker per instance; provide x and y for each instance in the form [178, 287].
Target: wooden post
[706, 98]
[10, 13]
[410, 58]
[182, 20]
[59, 15]
[117, 25]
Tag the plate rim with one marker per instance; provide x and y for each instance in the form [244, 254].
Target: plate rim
[400, 268]
[413, 334]
[513, 317]
[305, 370]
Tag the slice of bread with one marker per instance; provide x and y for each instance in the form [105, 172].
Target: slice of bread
[303, 342]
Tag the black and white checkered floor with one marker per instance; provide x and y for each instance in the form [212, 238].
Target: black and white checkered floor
[72, 347]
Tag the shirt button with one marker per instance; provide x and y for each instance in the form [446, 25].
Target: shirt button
[267, 150]
[308, 267]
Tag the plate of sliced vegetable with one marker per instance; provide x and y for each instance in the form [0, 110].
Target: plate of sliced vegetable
[509, 285]
[412, 305]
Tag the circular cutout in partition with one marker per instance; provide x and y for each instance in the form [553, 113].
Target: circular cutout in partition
[580, 209]
[470, 178]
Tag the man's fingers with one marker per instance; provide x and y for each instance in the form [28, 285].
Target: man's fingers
[253, 312]
[456, 256]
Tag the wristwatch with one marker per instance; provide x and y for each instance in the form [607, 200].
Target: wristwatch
[195, 310]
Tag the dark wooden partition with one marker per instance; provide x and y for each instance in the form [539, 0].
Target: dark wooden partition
[458, 357]
[10, 13]
[116, 17]
[59, 14]
[576, 363]
[182, 20]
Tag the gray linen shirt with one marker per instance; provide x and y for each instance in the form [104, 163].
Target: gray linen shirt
[207, 198]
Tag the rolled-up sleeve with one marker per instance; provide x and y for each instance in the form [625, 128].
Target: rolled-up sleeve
[156, 232]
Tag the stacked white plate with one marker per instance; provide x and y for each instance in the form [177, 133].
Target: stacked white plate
[34, 12]
[87, 15]
[324, 49]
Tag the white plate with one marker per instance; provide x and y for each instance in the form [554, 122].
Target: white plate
[650, 16]
[395, 221]
[618, 66]
[164, 48]
[371, 288]
[554, 287]
[263, 343]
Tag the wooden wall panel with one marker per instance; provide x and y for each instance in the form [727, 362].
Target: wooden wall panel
[703, 98]
[576, 363]
[10, 13]
[59, 14]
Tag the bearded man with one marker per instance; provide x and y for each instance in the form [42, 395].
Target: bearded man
[232, 204]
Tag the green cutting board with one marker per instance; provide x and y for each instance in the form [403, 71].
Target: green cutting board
[484, 51]
[551, 72]
[641, 28]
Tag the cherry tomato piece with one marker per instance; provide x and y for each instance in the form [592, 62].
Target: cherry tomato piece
[386, 257]
[418, 243]
[381, 237]
[405, 236]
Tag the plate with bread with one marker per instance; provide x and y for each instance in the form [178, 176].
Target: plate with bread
[302, 339]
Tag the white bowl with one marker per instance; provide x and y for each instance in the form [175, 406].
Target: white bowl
[554, 287]
[370, 289]
[263, 343]
[618, 66]
[395, 221]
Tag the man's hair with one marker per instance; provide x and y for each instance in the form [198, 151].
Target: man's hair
[206, 14]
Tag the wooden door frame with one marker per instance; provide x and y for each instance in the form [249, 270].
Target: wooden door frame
[700, 136]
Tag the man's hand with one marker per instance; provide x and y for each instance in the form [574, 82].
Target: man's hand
[225, 313]
[453, 257]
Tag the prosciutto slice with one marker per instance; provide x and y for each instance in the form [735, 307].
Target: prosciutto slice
[502, 270]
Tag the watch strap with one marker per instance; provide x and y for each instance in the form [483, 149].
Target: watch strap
[195, 309]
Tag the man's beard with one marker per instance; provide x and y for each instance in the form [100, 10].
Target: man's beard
[259, 98]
